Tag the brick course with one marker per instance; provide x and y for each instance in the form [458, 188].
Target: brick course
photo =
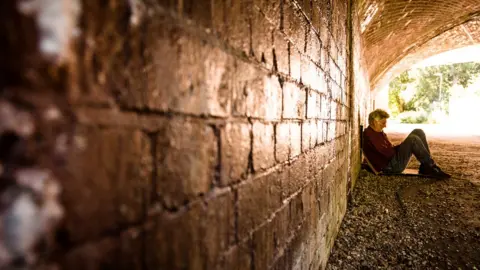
[235, 137]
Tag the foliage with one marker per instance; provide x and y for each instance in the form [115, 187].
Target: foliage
[396, 87]
[433, 88]
[434, 84]
[413, 117]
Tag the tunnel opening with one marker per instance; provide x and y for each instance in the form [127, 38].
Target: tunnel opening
[439, 94]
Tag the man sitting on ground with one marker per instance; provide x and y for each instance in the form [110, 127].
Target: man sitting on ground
[385, 157]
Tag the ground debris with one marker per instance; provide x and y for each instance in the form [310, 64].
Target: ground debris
[399, 222]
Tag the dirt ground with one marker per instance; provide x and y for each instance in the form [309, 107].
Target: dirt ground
[416, 223]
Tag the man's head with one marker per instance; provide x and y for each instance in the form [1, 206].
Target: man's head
[378, 119]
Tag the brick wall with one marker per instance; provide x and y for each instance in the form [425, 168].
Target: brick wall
[361, 96]
[221, 134]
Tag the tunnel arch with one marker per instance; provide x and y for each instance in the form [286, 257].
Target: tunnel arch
[397, 34]
[460, 37]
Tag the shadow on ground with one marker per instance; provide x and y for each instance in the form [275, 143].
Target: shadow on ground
[400, 222]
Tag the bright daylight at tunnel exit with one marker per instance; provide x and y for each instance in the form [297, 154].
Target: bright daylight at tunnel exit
[239, 134]
[440, 94]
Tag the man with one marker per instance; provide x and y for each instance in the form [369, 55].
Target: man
[387, 158]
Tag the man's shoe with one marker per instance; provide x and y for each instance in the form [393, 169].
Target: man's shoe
[444, 174]
[433, 171]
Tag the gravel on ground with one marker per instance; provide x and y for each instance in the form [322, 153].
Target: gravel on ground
[404, 222]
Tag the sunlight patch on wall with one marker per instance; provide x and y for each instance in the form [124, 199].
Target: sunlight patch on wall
[370, 12]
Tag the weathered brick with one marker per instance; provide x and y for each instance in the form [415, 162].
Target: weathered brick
[238, 24]
[295, 64]
[342, 64]
[325, 107]
[340, 131]
[263, 146]
[282, 142]
[333, 49]
[345, 89]
[324, 34]
[336, 92]
[344, 129]
[308, 72]
[309, 134]
[306, 135]
[324, 58]
[329, 85]
[306, 7]
[328, 175]
[186, 74]
[294, 177]
[256, 93]
[294, 100]
[258, 198]
[219, 18]
[333, 110]
[320, 132]
[313, 46]
[294, 25]
[101, 66]
[235, 150]
[264, 246]
[271, 9]
[279, 226]
[288, 141]
[322, 157]
[324, 194]
[194, 239]
[315, 18]
[198, 11]
[186, 158]
[335, 72]
[313, 105]
[284, 262]
[345, 113]
[238, 257]
[262, 39]
[331, 130]
[340, 111]
[281, 46]
[320, 81]
[123, 252]
[115, 173]
[295, 213]
[308, 199]
[295, 139]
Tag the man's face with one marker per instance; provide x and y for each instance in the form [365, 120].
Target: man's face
[381, 124]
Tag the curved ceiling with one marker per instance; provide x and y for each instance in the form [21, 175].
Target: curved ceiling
[395, 29]
[461, 36]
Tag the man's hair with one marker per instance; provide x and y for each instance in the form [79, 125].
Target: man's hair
[378, 114]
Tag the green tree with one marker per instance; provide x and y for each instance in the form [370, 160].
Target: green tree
[434, 84]
[396, 87]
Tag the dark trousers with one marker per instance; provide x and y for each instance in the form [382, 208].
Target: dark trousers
[415, 144]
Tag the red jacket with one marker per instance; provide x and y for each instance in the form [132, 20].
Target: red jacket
[377, 148]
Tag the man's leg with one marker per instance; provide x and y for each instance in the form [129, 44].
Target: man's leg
[421, 135]
[413, 144]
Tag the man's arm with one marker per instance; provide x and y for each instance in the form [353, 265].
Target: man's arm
[385, 148]
[388, 140]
